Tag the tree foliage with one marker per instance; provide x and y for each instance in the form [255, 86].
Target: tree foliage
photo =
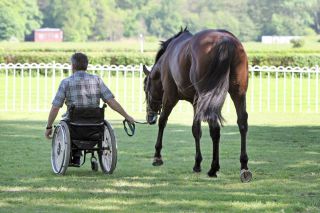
[83, 20]
[18, 18]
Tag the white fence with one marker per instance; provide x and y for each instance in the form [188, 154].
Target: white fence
[31, 87]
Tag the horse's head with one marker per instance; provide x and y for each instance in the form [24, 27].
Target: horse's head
[153, 90]
[152, 83]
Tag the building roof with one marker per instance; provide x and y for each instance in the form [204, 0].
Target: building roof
[48, 30]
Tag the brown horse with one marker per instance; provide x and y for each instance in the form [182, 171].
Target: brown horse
[200, 69]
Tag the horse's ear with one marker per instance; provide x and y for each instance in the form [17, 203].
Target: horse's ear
[145, 70]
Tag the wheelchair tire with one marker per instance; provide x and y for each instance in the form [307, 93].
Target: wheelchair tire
[108, 158]
[61, 148]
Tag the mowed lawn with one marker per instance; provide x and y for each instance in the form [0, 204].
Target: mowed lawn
[284, 152]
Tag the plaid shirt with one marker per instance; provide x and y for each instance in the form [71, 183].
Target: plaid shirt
[82, 90]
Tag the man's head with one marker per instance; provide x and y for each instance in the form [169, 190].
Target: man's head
[79, 61]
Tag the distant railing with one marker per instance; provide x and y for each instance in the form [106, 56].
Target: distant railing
[31, 87]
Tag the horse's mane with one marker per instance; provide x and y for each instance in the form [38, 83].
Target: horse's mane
[165, 44]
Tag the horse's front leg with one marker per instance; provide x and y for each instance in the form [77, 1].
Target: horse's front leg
[166, 110]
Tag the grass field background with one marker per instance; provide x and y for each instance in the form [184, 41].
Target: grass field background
[283, 149]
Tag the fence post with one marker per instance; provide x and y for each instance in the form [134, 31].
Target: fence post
[53, 79]
[30, 89]
[38, 88]
[22, 90]
[140, 90]
[14, 89]
[309, 88]
[132, 89]
[317, 88]
[252, 90]
[6, 90]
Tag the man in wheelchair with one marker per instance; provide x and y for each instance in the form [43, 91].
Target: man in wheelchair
[81, 92]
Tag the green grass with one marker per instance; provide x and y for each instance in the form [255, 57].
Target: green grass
[284, 154]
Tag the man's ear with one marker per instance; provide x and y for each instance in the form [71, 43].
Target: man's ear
[145, 70]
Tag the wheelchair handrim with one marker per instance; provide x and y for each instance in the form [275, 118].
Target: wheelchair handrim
[107, 154]
[59, 150]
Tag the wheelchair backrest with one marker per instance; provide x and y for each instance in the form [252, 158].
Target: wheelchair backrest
[86, 124]
[86, 115]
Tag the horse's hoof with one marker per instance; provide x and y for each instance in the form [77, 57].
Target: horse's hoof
[245, 176]
[157, 162]
[212, 174]
[197, 169]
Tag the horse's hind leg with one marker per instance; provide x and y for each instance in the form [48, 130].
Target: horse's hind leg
[240, 105]
[166, 110]
[196, 131]
[215, 136]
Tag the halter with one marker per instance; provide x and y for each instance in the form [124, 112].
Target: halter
[156, 101]
[150, 100]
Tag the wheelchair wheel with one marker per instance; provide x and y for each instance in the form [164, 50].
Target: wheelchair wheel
[61, 146]
[108, 154]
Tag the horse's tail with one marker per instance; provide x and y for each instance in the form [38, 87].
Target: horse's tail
[213, 87]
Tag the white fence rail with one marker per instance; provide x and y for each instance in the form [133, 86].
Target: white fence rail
[31, 87]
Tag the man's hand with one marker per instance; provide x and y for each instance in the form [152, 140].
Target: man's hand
[130, 119]
[48, 133]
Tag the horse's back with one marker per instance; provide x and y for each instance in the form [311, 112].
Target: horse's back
[204, 41]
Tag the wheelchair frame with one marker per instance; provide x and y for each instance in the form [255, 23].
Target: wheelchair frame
[63, 145]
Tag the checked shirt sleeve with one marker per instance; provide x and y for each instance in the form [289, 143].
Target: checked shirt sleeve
[60, 96]
[106, 94]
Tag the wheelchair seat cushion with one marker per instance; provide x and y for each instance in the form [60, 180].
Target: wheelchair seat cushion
[86, 133]
[86, 115]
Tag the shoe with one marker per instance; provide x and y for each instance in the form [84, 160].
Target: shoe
[75, 161]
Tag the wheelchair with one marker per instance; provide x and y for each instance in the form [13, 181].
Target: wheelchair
[85, 132]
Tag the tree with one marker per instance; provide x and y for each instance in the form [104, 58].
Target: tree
[11, 26]
[283, 17]
[75, 18]
[313, 8]
[32, 16]
[18, 18]
[109, 22]
[164, 21]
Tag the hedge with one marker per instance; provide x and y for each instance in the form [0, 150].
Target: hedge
[126, 58]
[64, 57]
[299, 60]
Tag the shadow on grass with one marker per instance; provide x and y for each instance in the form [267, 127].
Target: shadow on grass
[284, 161]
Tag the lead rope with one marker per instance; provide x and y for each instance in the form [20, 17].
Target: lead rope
[131, 127]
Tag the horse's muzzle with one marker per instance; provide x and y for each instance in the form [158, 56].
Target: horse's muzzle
[152, 118]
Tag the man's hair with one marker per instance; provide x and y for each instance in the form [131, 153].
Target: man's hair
[79, 61]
